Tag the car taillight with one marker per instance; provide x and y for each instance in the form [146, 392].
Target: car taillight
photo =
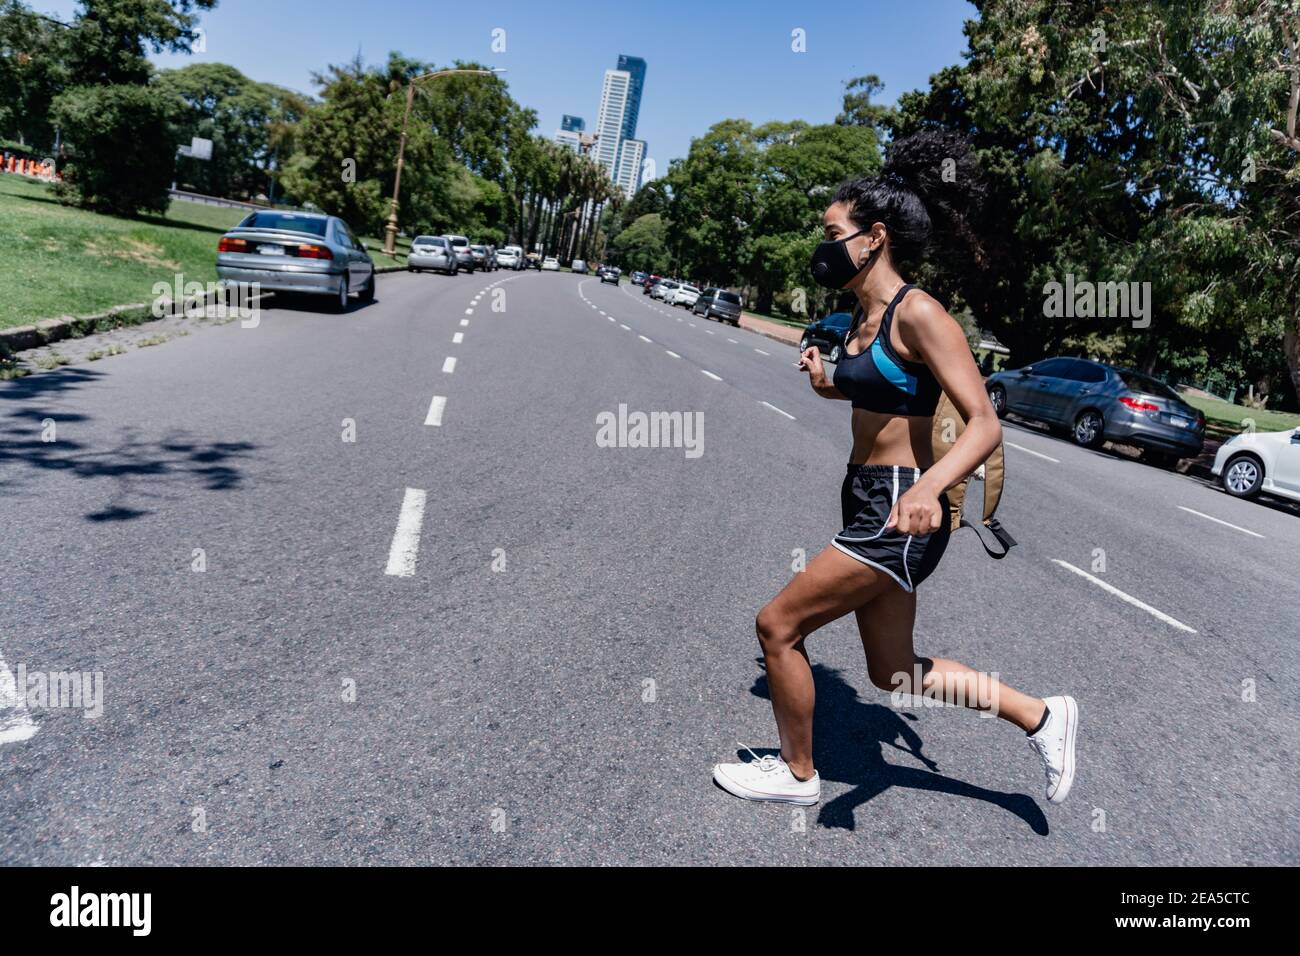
[313, 252]
[1138, 405]
[232, 245]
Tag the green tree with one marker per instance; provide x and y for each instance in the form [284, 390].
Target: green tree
[240, 116]
[32, 73]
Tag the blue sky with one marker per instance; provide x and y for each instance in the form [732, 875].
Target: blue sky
[707, 60]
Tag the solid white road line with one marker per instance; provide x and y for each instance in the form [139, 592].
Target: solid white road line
[436, 408]
[406, 539]
[458, 338]
[716, 378]
[1111, 589]
[1234, 527]
[775, 409]
[1036, 454]
[16, 725]
[449, 366]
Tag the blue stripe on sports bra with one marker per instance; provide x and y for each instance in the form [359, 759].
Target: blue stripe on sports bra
[888, 368]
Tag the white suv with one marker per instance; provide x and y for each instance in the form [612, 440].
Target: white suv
[686, 295]
[510, 257]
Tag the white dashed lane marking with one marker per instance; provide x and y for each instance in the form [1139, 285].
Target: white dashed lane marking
[778, 411]
[458, 338]
[1200, 514]
[449, 366]
[436, 408]
[1128, 598]
[406, 539]
[716, 378]
[1036, 454]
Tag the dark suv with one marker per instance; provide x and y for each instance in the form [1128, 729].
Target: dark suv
[718, 304]
[827, 334]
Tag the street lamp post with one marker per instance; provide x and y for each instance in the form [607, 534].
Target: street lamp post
[390, 230]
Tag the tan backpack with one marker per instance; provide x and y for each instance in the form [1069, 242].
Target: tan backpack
[948, 426]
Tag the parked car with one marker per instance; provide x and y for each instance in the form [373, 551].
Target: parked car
[579, 266]
[432, 252]
[510, 257]
[718, 304]
[550, 264]
[661, 288]
[1100, 403]
[297, 252]
[1256, 463]
[828, 335]
[609, 274]
[638, 277]
[684, 294]
[648, 286]
[464, 256]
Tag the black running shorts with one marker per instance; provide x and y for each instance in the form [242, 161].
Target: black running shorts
[866, 500]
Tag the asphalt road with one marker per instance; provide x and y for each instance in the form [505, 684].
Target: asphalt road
[549, 675]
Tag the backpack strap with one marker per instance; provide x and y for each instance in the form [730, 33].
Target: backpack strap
[1000, 534]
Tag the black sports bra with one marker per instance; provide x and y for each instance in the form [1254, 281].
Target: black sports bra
[877, 379]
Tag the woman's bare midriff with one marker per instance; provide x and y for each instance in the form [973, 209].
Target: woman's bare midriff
[891, 440]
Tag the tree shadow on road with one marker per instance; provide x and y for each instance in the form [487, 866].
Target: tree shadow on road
[141, 468]
[848, 747]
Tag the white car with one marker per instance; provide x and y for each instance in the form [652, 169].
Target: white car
[510, 257]
[686, 295]
[550, 264]
[1260, 462]
[663, 289]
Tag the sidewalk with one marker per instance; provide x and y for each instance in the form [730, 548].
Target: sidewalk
[772, 330]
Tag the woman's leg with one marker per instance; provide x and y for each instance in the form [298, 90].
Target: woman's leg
[886, 627]
[831, 586]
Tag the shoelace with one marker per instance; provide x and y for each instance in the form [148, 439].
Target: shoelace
[765, 764]
[1043, 751]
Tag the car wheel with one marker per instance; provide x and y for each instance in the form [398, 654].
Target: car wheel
[837, 353]
[1089, 429]
[998, 396]
[340, 303]
[1243, 476]
[803, 345]
[368, 290]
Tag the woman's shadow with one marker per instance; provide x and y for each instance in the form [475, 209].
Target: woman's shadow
[849, 747]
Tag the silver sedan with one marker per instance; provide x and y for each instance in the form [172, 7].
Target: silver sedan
[432, 252]
[297, 252]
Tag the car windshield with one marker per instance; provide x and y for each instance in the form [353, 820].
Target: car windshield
[691, 288]
[286, 222]
[428, 241]
[1145, 383]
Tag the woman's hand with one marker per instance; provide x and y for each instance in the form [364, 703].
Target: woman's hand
[918, 511]
[810, 361]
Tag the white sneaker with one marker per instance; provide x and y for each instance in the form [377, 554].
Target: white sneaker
[767, 779]
[1055, 744]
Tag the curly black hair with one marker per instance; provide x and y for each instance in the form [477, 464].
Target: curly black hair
[931, 181]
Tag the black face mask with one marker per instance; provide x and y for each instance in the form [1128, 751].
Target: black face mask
[832, 266]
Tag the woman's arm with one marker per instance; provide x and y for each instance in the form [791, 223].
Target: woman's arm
[811, 362]
[928, 330]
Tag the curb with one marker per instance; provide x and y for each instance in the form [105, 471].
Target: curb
[48, 331]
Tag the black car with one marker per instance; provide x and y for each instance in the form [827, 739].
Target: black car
[827, 334]
[718, 304]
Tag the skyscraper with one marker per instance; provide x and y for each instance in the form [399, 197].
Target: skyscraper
[610, 119]
[634, 67]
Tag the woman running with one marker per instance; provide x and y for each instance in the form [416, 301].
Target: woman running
[902, 350]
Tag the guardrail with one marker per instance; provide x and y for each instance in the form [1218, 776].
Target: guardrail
[186, 196]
